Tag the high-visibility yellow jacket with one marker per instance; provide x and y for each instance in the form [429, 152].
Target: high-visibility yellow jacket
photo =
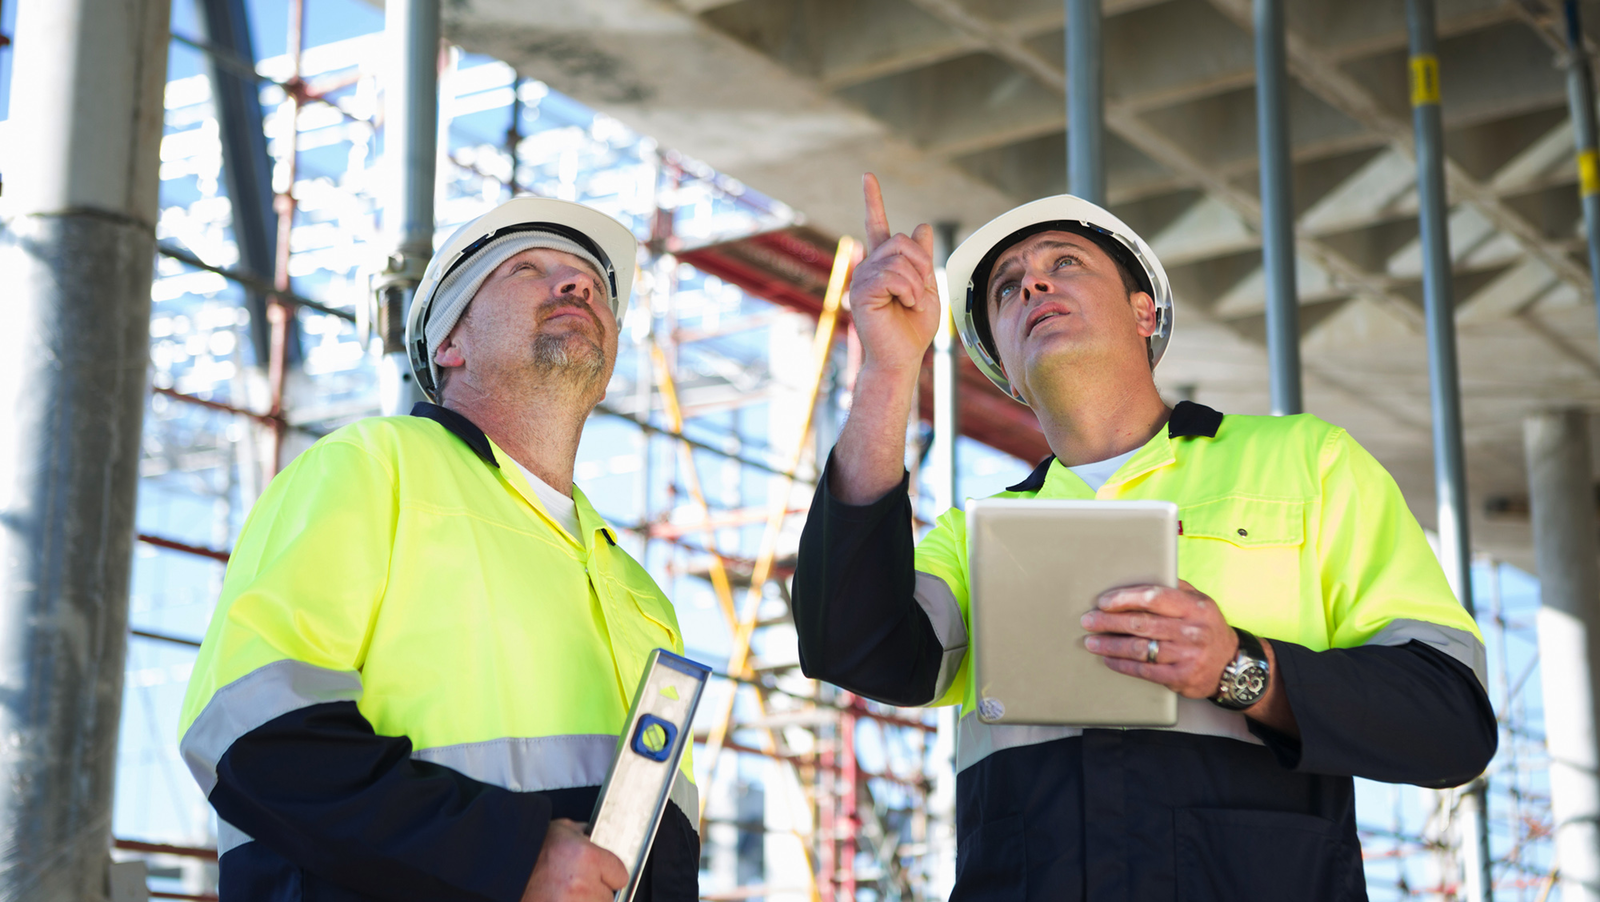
[1293, 528]
[401, 579]
[1302, 538]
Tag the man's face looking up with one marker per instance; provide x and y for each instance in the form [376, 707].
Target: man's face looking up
[1057, 299]
[541, 313]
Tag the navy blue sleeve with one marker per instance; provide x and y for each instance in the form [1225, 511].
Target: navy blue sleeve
[320, 788]
[854, 597]
[1400, 714]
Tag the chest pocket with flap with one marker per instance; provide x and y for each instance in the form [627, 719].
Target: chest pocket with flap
[1246, 554]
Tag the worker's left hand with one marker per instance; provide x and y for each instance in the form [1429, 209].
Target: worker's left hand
[1194, 642]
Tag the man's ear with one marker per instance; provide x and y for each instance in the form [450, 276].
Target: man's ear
[449, 353]
[1145, 313]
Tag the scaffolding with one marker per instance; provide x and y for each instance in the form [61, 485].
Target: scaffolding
[729, 389]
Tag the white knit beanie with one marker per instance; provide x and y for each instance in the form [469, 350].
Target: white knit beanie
[461, 286]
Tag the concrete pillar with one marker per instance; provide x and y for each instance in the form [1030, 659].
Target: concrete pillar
[1561, 488]
[77, 252]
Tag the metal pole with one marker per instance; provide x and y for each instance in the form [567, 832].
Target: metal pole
[1472, 815]
[246, 168]
[942, 456]
[1449, 461]
[1561, 491]
[1086, 173]
[1277, 210]
[412, 31]
[280, 316]
[1580, 100]
[77, 253]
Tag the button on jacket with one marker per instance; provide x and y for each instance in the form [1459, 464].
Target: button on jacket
[412, 668]
[1302, 538]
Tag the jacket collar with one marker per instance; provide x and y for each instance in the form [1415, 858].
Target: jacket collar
[461, 427]
[588, 519]
[1188, 420]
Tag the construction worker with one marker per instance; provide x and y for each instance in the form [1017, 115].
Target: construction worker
[1313, 636]
[427, 639]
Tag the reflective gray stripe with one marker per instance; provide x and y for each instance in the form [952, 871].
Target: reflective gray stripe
[976, 740]
[229, 837]
[252, 700]
[686, 796]
[547, 763]
[944, 613]
[1458, 644]
[530, 765]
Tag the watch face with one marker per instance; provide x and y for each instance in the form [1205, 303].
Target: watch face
[1247, 681]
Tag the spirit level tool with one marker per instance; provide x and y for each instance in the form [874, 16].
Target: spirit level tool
[634, 795]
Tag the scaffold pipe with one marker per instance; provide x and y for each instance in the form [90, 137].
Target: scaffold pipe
[1277, 210]
[1449, 460]
[412, 31]
[941, 469]
[1449, 457]
[1086, 112]
[1580, 102]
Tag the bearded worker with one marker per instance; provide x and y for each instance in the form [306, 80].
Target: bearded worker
[427, 639]
[1312, 638]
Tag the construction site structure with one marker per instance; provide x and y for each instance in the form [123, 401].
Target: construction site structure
[265, 332]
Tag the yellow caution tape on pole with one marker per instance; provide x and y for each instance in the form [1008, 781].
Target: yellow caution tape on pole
[1424, 79]
[1588, 172]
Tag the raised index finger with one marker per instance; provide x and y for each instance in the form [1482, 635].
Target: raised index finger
[877, 219]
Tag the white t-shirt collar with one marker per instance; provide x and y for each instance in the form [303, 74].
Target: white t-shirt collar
[562, 509]
[1096, 474]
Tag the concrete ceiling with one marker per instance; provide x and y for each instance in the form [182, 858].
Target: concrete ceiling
[958, 105]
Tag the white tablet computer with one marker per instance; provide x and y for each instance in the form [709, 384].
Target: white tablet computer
[1036, 567]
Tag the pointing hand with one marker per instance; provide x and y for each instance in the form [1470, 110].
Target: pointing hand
[894, 299]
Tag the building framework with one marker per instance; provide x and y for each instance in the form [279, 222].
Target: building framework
[733, 379]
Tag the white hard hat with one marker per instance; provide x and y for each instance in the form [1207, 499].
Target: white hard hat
[594, 234]
[967, 272]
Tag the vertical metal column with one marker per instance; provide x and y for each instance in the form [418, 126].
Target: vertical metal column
[1580, 100]
[1277, 210]
[412, 32]
[1449, 462]
[1449, 459]
[281, 316]
[1086, 115]
[942, 455]
[246, 169]
[78, 256]
[1561, 489]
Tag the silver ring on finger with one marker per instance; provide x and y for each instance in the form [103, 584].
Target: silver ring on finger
[1151, 650]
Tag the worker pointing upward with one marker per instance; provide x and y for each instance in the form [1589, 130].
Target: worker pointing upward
[427, 638]
[1312, 637]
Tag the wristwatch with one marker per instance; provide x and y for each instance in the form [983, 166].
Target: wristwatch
[1245, 678]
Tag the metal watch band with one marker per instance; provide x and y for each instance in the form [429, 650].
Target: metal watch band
[1245, 678]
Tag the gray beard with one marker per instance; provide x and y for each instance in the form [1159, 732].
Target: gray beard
[570, 356]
